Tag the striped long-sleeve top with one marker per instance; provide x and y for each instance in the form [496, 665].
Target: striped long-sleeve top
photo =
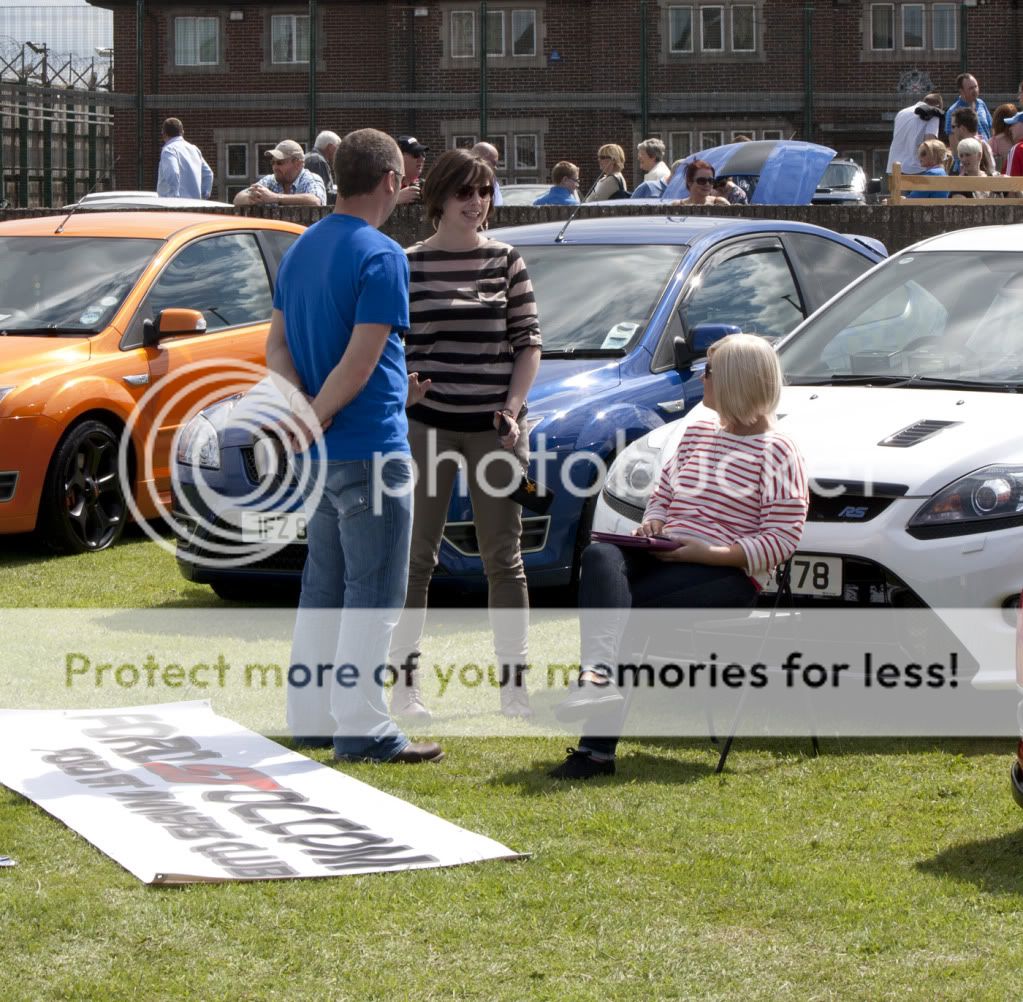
[470, 313]
[725, 489]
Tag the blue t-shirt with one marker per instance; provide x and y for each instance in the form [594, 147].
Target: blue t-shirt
[339, 273]
[556, 196]
[933, 172]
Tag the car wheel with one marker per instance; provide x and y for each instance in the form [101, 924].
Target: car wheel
[83, 508]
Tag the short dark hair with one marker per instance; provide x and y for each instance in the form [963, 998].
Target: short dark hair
[693, 167]
[966, 117]
[961, 78]
[563, 169]
[362, 158]
[172, 127]
[453, 169]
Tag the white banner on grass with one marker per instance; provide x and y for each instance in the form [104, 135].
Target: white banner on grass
[177, 794]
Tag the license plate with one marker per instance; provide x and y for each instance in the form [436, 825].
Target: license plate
[812, 575]
[259, 527]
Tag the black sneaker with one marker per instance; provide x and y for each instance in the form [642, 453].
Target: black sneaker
[586, 698]
[580, 765]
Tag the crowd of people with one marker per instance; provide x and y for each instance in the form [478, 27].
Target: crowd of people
[428, 354]
[977, 143]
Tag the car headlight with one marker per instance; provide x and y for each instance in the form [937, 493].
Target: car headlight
[199, 440]
[634, 474]
[991, 498]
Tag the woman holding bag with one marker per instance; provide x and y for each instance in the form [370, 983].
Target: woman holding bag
[474, 346]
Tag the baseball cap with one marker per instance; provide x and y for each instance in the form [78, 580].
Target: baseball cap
[1017, 118]
[286, 149]
[412, 146]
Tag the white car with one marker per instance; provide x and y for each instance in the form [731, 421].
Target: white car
[905, 395]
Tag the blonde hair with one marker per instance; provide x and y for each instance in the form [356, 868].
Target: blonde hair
[969, 145]
[615, 152]
[747, 378]
[936, 150]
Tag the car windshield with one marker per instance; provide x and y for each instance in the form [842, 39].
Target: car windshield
[67, 285]
[594, 298]
[842, 176]
[925, 319]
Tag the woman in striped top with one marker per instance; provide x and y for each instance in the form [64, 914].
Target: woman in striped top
[473, 348]
[734, 497]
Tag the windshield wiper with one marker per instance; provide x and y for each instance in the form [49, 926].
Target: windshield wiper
[1004, 386]
[851, 379]
[583, 353]
[52, 330]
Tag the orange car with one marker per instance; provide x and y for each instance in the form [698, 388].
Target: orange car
[97, 314]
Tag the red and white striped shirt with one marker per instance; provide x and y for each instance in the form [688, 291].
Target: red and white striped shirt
[725, 489]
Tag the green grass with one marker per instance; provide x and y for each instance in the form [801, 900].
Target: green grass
[881, 870]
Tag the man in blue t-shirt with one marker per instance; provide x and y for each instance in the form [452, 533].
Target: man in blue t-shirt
[340, 305]
[564, 189]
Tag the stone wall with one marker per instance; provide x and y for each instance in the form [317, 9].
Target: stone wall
[895, 226]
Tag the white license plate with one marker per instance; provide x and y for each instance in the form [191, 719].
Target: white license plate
[260, 527]
[813, 575]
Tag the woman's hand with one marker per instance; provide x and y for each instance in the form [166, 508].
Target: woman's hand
[416, 390]
[690, 551]
[507, 429]
[655, 527]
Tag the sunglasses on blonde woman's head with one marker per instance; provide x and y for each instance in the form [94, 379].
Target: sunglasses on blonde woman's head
[466, 192]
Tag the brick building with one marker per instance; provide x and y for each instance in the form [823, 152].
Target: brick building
[547, 79]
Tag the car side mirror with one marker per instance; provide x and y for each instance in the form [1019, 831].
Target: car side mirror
[695, 345]
[172, 322]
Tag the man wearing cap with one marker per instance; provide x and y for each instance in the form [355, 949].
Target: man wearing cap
[413, 152]
[289, 184]
[912, 126]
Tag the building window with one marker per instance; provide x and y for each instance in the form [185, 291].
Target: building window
[196, 41]
[680, 144]
[680, 29]
[712, 37]
[771, 134]
[523, 24]
[289, 38]
[495, 32]
[943, 29]
[882, 26]
[465, 142]
[463, 34]
[708, 140]
[744, 28]
[526, 150]
[238, 160]
[913, 26]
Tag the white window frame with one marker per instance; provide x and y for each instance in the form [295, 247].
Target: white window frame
[180, 24]
[465, 141]
[876, 8]
[500, 143]
[923, 26]
[706, 144]
[721, 27]
[672, 12]
[857, 156]
[495, 16]
[227, 160]
[535, 142]
[753, 13]
[294, 18]
[458, 16]
[952, 10]
[771, 134]
[674, 153]
[516, 13]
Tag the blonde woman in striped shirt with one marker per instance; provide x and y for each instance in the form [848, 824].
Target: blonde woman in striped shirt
[734, 497]
[473, 349]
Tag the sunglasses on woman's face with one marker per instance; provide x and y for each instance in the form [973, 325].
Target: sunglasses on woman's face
[703, 180]
[464, 193]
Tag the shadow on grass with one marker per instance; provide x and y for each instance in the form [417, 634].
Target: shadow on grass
[992, 864]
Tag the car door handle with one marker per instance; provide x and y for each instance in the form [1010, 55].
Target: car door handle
[672, 406]
[142, 380]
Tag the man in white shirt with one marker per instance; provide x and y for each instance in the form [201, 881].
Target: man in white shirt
[913, 125]
[184, 172]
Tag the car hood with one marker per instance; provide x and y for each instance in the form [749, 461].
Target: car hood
[580, 378]
[24, 359]
[840, 431]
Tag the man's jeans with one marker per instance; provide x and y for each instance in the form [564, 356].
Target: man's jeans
[353, 590]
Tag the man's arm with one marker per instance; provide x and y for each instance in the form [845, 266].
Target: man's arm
[351, 374]
[169, 181]
[207, 179]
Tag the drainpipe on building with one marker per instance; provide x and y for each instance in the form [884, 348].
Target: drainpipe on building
[644, 94]
[808, 73]
[312, 73]
[140, 97]
[963, 41]
[483, 75]
[411, 119]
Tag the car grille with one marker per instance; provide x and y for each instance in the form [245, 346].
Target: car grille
[462, 535]
[280, 468]
[8, 482]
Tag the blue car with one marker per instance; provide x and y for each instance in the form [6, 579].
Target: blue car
[627, 306]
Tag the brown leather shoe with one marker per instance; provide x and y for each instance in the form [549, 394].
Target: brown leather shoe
[419, 751]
